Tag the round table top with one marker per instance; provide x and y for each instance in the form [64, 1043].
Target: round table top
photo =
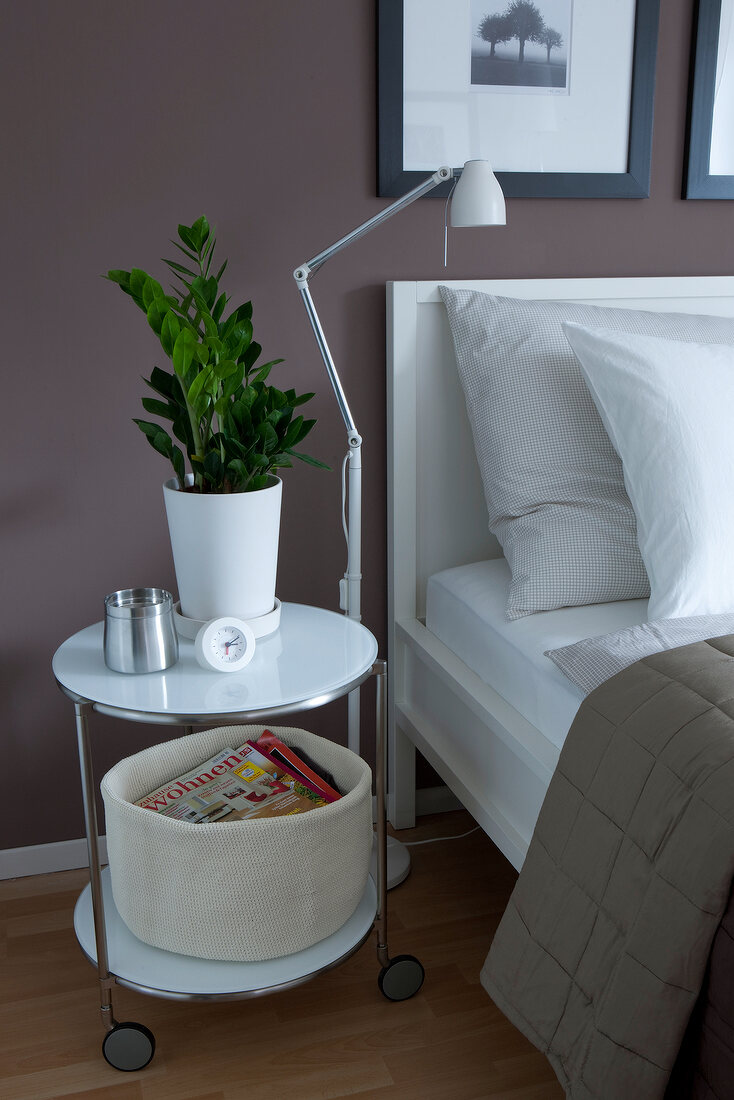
[314, 656]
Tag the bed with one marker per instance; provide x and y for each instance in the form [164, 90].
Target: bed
[472, 625]
[488, 739]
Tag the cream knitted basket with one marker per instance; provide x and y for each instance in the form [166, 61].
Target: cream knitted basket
[243, 890]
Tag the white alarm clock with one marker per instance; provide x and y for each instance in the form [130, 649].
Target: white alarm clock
[225, 644]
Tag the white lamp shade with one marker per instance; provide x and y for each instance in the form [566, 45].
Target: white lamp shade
[478, 198]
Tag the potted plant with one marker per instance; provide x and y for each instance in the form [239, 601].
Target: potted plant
[234, 428]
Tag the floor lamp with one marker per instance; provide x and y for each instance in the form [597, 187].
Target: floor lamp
[476, 199]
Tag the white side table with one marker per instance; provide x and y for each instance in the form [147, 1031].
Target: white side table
[314, 657]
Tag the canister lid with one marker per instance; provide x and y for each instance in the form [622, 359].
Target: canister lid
[138, 603]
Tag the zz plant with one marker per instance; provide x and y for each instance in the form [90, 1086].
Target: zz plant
[235, 428]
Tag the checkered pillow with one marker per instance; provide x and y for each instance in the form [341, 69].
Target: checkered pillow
[552, 479]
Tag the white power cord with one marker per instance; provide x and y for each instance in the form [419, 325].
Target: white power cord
[344, 498]
[435, 839]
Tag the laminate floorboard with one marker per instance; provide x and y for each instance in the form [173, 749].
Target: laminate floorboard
[335, 1036]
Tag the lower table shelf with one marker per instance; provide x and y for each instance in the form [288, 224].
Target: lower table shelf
[180, 977]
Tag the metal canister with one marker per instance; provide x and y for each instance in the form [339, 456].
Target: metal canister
[139, 631]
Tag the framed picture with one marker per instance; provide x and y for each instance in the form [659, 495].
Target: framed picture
[709, 170]
[556, 94]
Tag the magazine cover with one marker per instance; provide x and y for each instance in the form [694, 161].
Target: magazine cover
[283, 754]
[203, 773]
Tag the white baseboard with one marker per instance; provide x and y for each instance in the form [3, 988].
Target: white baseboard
[67, 855]
[43, 859]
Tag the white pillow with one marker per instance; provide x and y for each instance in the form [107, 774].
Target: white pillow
[669, 410]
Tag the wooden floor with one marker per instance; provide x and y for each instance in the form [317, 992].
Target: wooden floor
[334, 1036]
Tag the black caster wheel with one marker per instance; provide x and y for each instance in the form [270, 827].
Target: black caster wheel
[128, 1046]
[401, 978]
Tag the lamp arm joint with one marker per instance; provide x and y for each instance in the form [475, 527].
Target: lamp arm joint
[302, 274]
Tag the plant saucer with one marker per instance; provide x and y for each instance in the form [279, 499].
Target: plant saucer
[261, 626]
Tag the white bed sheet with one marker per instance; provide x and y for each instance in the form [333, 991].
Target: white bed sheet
[465, 609]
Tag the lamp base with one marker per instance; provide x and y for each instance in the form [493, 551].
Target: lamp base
[398, 862]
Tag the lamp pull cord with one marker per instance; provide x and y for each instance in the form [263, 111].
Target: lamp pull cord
[446, 223]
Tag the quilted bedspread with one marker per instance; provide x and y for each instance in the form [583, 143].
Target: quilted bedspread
[602, 951]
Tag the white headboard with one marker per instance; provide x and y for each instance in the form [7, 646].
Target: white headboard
[436, 511]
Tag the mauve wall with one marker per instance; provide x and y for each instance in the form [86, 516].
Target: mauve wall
[119, 121]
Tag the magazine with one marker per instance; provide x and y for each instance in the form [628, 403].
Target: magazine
[259, 779]
[268, 743]
[257, 786]
[204, 773]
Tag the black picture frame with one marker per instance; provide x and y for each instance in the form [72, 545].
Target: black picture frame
[698, 183]
[393, 180]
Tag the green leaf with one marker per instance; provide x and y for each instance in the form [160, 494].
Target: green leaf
[156, 315]
[179, 465]
[219, 305]
[147, 428]
[238, 472]
[309, 460]
[187, 254]
[295, 400]
[243, 312]
[163, 383]
[158, 408]
[198, 396]
[183, 351]
[212, 464]
[211, 290]
[267, 367]
[178, 267]
[159, 439]
[269, 437]
[292, 436]
[170, 328]
[152, 291]
[260, 481]
[187, 235]
[182, 430]
[199, 232]
[234, 382]
[224, 368]
[197, 292]
[306, 427]
[122, 278]
[138, 279]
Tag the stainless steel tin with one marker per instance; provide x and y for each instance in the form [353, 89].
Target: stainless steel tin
[139, 631]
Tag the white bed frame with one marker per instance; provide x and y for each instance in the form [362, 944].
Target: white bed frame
[496, 763]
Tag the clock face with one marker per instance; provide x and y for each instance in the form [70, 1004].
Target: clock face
[225, 644]
[228, 644]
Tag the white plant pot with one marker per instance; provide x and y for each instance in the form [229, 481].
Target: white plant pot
[225, 549]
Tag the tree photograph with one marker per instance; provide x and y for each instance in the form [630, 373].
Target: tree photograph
[520, 45]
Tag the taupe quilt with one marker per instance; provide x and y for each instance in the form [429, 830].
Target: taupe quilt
[601, 952]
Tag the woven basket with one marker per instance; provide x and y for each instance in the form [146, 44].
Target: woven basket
[243, 890]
